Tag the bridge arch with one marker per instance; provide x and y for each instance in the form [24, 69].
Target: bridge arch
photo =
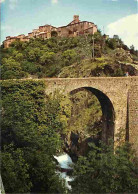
[122, 93]
[108, 113]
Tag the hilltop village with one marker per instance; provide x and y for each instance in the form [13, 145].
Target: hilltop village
[73, 29]
[76, 50]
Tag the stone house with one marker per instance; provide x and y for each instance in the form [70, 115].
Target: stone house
[74, 28]
[10, 39]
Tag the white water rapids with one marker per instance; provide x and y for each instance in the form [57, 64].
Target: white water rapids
[65, 161]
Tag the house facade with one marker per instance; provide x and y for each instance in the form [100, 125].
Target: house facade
[73, 29]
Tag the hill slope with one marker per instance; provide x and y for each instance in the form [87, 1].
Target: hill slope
[68, 57]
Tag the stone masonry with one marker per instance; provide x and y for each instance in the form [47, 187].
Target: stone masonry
[119, 93]
[74, 28]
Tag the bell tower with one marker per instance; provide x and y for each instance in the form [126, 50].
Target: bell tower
[76, 18]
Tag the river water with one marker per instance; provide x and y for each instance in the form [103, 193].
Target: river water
[65, 161]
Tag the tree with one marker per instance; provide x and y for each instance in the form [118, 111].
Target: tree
[15, 170]
[11, 69]
[69, 56]
[59, 107]
[112, 43]
[132, 49]
[33, 124]
[102, 171]
[17, 56]
[29, 67]
[98, 37]
[34, 54]
[17, 44]
[71, 43]
[125, 47]
[47, 58]
[52, 44]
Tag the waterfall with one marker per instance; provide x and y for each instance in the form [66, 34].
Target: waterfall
[65, 161]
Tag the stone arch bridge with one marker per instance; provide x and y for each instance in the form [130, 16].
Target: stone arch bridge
[118, 97]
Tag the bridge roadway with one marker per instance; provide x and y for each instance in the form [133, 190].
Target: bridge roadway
[118, 97]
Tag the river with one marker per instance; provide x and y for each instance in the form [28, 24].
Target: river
[65, 161]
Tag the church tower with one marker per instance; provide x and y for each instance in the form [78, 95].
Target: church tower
[76, 18]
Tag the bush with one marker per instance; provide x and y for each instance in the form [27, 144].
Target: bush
[69, 56]
[102, 171]
[31, 68]
[10, 69]
[15, 170]
[112, 43]
[31, 127]
[47, 58]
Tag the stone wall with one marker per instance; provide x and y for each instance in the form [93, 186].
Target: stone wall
[9, 40]
[133, 116]
[121, 91]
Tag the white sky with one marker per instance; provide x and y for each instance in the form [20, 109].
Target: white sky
[126, 28]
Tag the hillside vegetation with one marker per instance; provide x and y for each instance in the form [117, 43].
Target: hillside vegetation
[31, 134]
[36, 126]
[68, 57]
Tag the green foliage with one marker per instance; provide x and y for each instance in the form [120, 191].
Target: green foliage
[104, 171]
[30, 124]
[35, 43]
[15, 170]
[125, 47]
[68, 43]
[11, 69]
[98, 37]
[119, 72]
[86, 113]
[132, 49]
[52, 44]
[34, 54]
[48, 58]
[17, 45]
[59, 107]
[69, 56]
[112, 43]
[30, 67]
[17, 56]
